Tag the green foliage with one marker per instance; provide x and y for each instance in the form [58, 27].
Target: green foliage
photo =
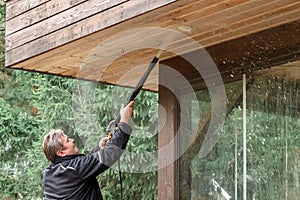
[30, 182]
[32, 104]
[18, 131]
[2, 34]
[51, 95]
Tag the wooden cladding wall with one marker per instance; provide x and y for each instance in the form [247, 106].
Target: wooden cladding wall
[34, 27]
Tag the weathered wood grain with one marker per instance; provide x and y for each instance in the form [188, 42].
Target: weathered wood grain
[77, 30]
[167, 144]
[60, 20]
[41, 12]
[17, 7]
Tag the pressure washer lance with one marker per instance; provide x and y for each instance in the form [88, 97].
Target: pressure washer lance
[113, 125]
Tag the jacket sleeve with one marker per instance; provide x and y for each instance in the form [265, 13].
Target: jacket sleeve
[114, 148]
[99, 160]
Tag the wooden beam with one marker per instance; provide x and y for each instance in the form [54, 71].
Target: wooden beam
[167, 142]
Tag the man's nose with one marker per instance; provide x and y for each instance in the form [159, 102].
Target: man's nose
[72, 140]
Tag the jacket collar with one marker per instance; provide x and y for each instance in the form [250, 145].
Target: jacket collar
[59, 159]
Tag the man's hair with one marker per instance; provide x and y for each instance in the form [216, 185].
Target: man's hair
[52, 143]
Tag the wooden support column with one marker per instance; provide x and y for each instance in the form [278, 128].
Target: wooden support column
[167, 144]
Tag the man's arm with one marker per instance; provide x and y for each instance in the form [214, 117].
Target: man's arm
[126, 114]
[111, 148]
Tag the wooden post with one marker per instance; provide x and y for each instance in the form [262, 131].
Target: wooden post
[167, 142]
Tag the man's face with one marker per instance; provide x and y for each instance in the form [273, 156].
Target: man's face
[69, 147]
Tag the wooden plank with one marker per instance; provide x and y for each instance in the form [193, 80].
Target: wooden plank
[57, 71]
[87, 26]
[253, 28]
[269, 18]
[70, 73]
[243, 19]
[59, 21]
[45, 68]
[41, 12]
[194, 13]
[9, 2]
[203, 13]
[236, 29]
[17, 7]
[214, 19]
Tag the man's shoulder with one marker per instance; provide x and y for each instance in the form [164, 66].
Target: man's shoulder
[65, 161]
[72, 165]
[82, 159]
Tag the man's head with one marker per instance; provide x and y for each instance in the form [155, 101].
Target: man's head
[56, 143]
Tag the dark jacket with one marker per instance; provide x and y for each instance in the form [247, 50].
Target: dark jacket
[74, 177]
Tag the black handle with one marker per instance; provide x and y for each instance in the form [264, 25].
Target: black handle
[137, 89]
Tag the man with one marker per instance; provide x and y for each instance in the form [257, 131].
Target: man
[72, 175]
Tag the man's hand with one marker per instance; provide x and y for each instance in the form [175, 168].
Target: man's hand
[103, 142]
[126, 112]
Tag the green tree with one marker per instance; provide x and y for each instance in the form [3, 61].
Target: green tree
[2, 34]
[18, 128]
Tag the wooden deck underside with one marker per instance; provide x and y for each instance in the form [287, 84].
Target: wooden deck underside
[113, 41]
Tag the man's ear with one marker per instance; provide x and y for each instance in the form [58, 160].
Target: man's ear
[60, 153]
